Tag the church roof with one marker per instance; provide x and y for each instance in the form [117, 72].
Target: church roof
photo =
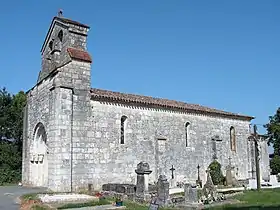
[132, 99]
[79, 54]
[69, 21]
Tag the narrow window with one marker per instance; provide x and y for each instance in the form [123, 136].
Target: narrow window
[123, 119]
[232, 139]
[187, 133]
[51, 45]
[161, 144]
[60, 35]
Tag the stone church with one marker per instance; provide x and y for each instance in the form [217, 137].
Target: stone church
[75, 135]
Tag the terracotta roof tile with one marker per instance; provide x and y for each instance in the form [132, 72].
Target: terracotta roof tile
[161, 103]
[79, 54]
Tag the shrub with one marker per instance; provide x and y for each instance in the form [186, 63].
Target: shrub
[275, 164]
[216, 173]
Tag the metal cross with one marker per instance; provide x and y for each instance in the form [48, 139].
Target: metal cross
[172, 169]
[198, 167]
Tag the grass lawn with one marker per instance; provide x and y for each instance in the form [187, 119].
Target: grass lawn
[254, 200]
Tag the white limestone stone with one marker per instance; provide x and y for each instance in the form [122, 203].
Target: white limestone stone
[46, 198]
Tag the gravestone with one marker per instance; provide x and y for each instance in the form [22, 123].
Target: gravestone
[230, 175]
[153, 206]
[163, 191]
[209, 190]
[229, 180]
[142, 185]
[190, 194]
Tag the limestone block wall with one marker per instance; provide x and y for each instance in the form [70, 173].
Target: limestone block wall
[36, 111]
[111, 161]
[62, 104]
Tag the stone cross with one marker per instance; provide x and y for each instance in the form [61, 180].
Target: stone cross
[60, 13]
[172, 169]
[214, 146]
[198, 181]
[198, 176]
[142, 171]
[163, 191]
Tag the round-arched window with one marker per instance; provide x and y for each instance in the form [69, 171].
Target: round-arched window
[40, 139]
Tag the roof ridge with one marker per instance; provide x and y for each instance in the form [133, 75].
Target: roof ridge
[70, 21]
[162, 102]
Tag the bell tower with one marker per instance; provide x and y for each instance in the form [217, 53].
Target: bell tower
[63, 34]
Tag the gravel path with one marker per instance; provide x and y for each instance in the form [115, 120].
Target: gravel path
[9, 195]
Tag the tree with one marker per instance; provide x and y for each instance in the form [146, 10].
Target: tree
[5, 104]
[275, 164]
[273, 131]
[11, 135]
[216, 172]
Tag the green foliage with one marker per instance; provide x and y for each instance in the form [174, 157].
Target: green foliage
[11, 135]
[273, 131]
[275, 164]
[216, 173]
[30, 196]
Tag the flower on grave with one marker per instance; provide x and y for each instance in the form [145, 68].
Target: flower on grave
[98, 194]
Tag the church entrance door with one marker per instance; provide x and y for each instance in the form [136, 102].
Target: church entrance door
[39, 157]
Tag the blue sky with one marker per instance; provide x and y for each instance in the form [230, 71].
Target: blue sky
[222, 54]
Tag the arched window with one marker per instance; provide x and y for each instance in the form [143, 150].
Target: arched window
[123, 121]
[187, 125]
[60, 35]
[232, 139]
[51, 45]
[40, 139]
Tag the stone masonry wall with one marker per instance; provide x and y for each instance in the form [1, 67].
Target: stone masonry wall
[115, 162]
[71, 128]
[37, 111]
[72, 36]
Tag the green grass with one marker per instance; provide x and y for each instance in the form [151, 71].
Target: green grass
[265, 196]
[30, 196]
[136, 206]
[37, 207]
[254, 200]
[85, 204]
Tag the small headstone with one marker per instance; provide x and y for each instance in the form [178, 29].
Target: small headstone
[273, 180]
[153, 206]
[229, 180]
[190, 193]
[163, 191]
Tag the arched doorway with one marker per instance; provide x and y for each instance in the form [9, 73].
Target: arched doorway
[39, 157]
